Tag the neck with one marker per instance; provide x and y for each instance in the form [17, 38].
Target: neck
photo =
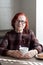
[19, 31]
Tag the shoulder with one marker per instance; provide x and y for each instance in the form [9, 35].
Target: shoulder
[11, 32]
[30, 31]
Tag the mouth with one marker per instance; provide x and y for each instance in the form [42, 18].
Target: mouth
[20, 28]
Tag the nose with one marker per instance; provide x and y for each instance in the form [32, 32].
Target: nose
[20, 23]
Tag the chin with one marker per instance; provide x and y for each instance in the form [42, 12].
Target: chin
[20, 31]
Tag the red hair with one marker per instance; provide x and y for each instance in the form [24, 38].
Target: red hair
[15, 18]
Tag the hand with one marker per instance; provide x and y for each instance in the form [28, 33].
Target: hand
[15, 53]
[31, 54]
[18, 54]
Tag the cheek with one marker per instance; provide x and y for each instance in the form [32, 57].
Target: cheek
[24, 26]
[16, 25]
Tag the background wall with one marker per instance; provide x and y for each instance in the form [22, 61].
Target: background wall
[8, 8]
[39, 20]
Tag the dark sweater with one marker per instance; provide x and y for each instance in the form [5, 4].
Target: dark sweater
[13, 40]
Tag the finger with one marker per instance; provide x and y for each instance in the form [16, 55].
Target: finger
[19, 53]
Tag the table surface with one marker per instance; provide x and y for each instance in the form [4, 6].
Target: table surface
[13, 61]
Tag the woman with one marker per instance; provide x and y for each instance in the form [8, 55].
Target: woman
[20, 35]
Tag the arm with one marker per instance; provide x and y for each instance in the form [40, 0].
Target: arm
[35, 43]
[35, 47]
[5, 51]
[3, 45]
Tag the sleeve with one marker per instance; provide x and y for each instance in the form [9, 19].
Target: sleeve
[3, 45]
[35, 43]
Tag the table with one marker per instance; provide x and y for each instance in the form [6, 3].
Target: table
[13, 61]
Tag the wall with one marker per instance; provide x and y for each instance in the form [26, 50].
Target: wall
[8, 8]
[39, 21]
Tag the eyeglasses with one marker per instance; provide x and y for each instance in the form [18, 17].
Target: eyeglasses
[23, 22]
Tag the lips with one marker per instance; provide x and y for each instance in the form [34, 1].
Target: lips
[19, 28]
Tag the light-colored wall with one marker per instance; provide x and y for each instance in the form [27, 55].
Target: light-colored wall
[8, 8]
[39, 21]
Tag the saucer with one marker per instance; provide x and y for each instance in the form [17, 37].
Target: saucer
[39, 56]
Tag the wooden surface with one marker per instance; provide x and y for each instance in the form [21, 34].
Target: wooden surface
[13, 61]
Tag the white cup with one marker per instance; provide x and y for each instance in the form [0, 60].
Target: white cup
[23, 50]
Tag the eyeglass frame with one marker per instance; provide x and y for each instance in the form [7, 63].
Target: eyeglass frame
[21, 21]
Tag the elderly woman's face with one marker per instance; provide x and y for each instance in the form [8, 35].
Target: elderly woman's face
[20, 23]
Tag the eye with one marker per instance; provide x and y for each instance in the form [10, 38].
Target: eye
[22, 21]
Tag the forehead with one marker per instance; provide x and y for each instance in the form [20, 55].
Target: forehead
[22, 17]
